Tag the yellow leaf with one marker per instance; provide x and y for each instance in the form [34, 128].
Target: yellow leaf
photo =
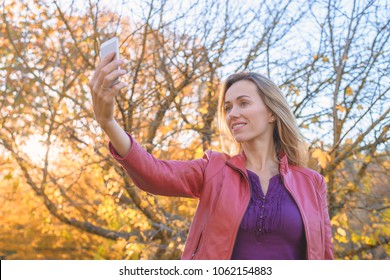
[343, 218]
[315, 56]
[199, 152]
[340, 108]
[334, 222]
[315, 119]
[355, 238]
[203, 110]
[348, 141]
[165, 129]
[341, 231]
[367, 159]
[369, 241]
[341, 239]
[182, 208]
[322, 157]
[349, 91]
[8, 176]
[325, 59]
[326, 179]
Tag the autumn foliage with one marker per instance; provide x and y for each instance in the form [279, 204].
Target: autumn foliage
[62, 194]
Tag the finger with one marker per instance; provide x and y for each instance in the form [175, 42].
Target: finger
[118, 89]
[108, 69]
[106, 66]
[109, 80]
[106, 60]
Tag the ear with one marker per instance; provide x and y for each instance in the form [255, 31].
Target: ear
[272, 117]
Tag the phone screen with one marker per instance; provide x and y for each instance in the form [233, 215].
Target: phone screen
[109, 46]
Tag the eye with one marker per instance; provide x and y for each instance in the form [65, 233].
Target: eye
[228, 108]
[244, 103]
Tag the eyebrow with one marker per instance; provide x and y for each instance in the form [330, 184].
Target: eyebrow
[239, 97]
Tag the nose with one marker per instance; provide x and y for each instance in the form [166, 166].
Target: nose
[233, 113]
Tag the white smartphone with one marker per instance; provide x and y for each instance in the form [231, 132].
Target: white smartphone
[109, 46]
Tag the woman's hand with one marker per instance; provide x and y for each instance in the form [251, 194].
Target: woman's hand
[105, 86]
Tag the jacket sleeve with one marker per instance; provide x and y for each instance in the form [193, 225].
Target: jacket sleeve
[162, 177]
[328, 228]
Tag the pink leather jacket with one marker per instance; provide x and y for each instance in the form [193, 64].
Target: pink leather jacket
[222, 186]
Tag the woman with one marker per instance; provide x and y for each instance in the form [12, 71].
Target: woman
[261, 203]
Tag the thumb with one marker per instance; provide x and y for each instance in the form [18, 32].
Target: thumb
[118, 88]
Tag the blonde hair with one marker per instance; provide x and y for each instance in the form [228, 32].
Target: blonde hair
[286, 134]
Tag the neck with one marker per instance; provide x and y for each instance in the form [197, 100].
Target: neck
[260, 155]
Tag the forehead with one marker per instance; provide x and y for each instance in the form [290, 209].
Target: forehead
[243, 87]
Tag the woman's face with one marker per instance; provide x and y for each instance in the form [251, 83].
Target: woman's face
[247, 117]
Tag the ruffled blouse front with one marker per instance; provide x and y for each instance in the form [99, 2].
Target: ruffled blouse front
[272, 227]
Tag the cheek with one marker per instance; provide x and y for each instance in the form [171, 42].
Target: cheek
[259, 119]
[263, 113]
[254, 114]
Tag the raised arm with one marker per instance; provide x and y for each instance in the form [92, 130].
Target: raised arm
[104, 89]
[164, 177]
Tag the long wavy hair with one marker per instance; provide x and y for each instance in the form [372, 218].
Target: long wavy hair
[286, 135]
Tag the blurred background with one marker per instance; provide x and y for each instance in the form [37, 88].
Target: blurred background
[62, 196]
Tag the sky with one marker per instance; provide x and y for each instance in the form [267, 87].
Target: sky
[134, 9]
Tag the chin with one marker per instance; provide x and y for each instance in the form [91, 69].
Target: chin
[241, 139]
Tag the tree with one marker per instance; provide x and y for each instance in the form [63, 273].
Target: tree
[176, 59]
[346, 85]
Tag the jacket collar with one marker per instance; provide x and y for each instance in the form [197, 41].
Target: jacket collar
[238, 161]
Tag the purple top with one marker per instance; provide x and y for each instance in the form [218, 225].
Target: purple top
[272, 227]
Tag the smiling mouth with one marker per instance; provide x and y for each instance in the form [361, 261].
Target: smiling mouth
[238, 125]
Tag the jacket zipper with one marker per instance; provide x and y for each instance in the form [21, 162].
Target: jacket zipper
[197, 246]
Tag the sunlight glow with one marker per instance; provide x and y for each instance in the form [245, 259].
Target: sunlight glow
[36, 149]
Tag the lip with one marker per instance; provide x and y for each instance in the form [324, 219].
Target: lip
[237, 126]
